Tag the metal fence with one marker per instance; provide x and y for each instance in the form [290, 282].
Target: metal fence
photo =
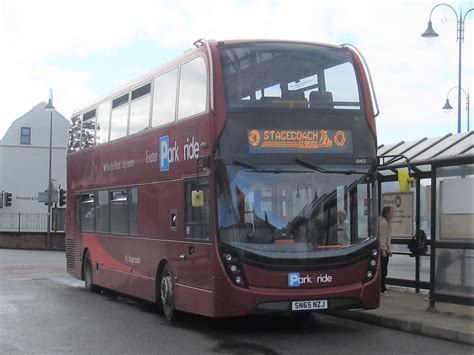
[32, 222]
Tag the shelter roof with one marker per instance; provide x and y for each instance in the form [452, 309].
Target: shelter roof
[426, 151]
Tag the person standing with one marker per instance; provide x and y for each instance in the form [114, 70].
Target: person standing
[385, 236]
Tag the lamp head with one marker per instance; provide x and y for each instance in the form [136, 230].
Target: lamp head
[447, 106]
[429, 33]
[50, 106]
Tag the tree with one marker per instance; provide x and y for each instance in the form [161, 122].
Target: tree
[82, 134]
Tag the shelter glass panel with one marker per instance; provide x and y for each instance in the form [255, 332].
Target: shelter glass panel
[425, 206]
[455, 203]
[454, 272]
[402, 266]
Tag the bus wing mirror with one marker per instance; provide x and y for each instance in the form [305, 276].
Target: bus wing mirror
[197, 198]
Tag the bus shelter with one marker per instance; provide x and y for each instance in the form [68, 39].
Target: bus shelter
[438, 201]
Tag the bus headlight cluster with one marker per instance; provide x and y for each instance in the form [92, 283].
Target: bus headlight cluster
[234, 269]
[373, 257]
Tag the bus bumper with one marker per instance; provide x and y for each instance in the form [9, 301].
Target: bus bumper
[231, 300]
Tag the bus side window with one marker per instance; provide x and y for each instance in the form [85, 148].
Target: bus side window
[88, 212]
[196, 221]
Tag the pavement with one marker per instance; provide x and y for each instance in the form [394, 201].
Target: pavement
[403, 309]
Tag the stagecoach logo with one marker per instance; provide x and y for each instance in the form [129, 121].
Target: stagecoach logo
[299, 141]
[254, 137]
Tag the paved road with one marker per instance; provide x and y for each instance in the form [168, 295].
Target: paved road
[44, 310]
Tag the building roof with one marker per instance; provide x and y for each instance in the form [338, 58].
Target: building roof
[38, 120]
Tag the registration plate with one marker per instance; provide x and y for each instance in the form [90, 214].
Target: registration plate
[309, 305]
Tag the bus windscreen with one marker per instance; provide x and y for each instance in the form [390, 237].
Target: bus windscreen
[291, 212]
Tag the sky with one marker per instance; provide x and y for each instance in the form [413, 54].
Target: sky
[84, 49]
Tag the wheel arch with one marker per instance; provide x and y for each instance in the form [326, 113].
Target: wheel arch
[84, 253]
[160, 268]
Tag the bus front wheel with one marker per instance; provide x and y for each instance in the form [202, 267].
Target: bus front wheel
[167, 293]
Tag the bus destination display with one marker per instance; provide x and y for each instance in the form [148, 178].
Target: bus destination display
[299, 141]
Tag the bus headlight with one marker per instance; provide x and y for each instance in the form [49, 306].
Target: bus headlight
[239, 280]
[234, 268]
[373, 257]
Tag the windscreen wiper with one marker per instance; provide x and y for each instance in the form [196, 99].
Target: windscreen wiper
[245, 165]
[327, 171]
[260, 170]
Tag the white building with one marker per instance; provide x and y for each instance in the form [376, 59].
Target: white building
[24, 160]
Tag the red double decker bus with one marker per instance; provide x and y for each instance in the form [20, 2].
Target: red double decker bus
[239, 178]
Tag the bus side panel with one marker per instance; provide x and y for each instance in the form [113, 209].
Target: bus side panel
[116, 265]
[231, 300]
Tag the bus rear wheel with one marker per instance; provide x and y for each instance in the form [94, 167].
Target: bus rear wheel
[88, 280]
[167, 293]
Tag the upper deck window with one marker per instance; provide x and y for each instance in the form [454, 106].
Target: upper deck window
[119, 119]
[119, 101]
[140, 109]
[88, 129]
[103, 123]
[289, 75]
[164, 98]
[192, 88]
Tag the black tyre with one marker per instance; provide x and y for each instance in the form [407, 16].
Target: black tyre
[167, 293]
[88, 279]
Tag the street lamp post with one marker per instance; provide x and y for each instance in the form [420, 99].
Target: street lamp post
[430, 33]
[49, 107]
[447, 105]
